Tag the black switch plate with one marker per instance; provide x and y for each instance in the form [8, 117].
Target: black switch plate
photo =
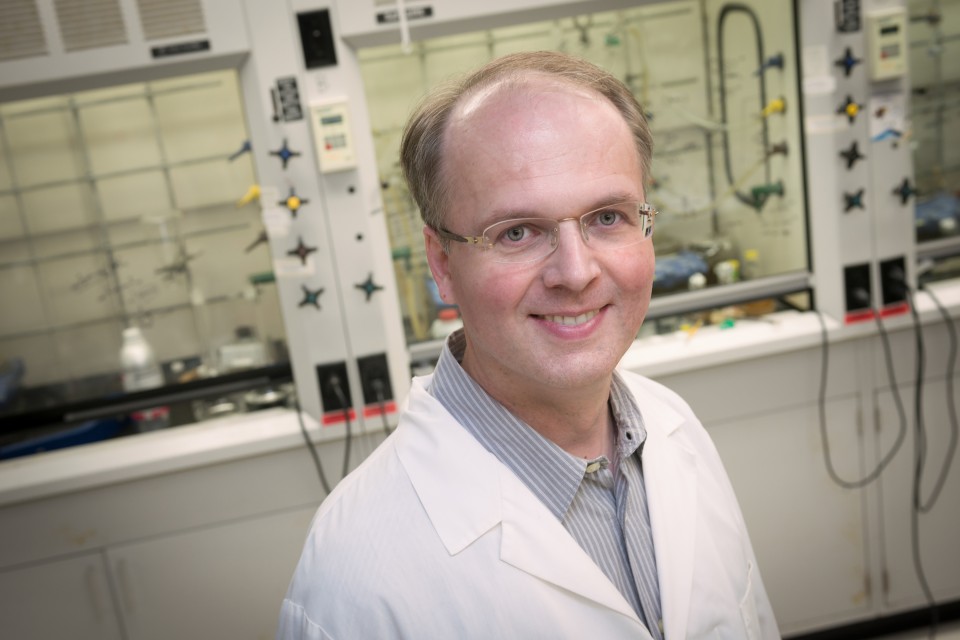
[316, 37]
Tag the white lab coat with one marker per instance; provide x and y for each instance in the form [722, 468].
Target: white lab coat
[432, 537]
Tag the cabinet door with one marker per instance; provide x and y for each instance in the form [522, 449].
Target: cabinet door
[220, 582]
[810, 535]
[59, 599]
[939, 530]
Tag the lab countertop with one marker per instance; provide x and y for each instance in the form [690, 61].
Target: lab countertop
[258, 433]
[149, 454]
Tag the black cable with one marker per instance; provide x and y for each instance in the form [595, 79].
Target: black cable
[920, 427]
[725, 135]
[337, 389]
[822, 404]
[310, 447]
[919, 460]
[951, 404]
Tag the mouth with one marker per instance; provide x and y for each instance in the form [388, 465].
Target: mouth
[572, 321]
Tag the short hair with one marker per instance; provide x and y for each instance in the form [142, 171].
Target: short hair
[422, 143]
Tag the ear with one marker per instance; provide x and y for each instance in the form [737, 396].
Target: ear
[439, 263]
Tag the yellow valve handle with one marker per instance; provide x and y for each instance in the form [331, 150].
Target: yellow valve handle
[777, 105]
[252, 194]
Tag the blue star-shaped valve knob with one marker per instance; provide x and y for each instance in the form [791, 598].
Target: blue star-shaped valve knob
[293, 202]
[904, 190]
[244, 148]
[773, 62]
[852, 154]
[301, 251]
[369, 287]
[311, 296]
[847, 62]
[284, 153]
[853, 200]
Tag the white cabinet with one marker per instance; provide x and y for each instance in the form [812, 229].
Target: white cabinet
[222, 582]
[68, 598]
[831, 555]
[805, 529]
[939, 530]
[203, 551]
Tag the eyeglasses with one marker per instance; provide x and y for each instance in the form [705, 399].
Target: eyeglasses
[517, 240]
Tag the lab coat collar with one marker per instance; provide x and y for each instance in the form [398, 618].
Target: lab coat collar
[477, 493]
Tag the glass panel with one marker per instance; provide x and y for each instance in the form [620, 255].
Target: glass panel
[935, 76]
[727, 172]
[118, 208]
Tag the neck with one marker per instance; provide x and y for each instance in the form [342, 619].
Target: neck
[576, 420]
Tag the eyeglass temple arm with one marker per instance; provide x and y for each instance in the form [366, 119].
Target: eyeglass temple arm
[449, 235]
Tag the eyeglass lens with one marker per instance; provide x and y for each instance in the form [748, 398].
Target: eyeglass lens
[528, 239]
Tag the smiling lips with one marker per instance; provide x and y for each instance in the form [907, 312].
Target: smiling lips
[572, 320]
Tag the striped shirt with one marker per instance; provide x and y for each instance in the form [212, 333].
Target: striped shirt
[603, 508]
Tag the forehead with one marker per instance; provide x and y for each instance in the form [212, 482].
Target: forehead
[515, 99]
[510, 140]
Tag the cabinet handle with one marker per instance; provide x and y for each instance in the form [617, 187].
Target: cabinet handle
[93, 588]
[125, 592]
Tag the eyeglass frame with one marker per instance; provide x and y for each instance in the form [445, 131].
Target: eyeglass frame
[644, 209]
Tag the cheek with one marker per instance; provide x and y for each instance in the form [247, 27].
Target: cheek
[488, 292]
[634, 280]
[635, 272]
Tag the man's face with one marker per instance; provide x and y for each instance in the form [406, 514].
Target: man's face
[563, 322]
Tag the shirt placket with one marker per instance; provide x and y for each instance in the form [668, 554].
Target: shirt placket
[634, 520]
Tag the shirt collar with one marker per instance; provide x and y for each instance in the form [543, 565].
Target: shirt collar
[549, 472]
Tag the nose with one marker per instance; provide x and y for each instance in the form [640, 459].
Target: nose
[573, 264]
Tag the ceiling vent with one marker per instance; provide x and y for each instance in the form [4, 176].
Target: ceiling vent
[90, 24]
[170, 18]
[21, 35]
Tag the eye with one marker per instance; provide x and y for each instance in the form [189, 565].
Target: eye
[608, 217]
[515, 234]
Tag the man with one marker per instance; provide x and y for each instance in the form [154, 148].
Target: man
[530, 489]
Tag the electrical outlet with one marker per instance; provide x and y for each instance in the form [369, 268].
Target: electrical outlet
[334, 386]
[857, 289]
[375, 379]
[893, 281]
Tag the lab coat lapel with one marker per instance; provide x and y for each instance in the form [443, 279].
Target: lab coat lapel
[536, 542]
[453, 475]
[670, 472]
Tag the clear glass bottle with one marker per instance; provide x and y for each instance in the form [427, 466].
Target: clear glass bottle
[140, 371]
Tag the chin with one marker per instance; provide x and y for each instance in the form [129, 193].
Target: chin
[578, 370]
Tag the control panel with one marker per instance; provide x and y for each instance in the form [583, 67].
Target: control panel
[333, 139]
[855, 95]
[887, 43]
